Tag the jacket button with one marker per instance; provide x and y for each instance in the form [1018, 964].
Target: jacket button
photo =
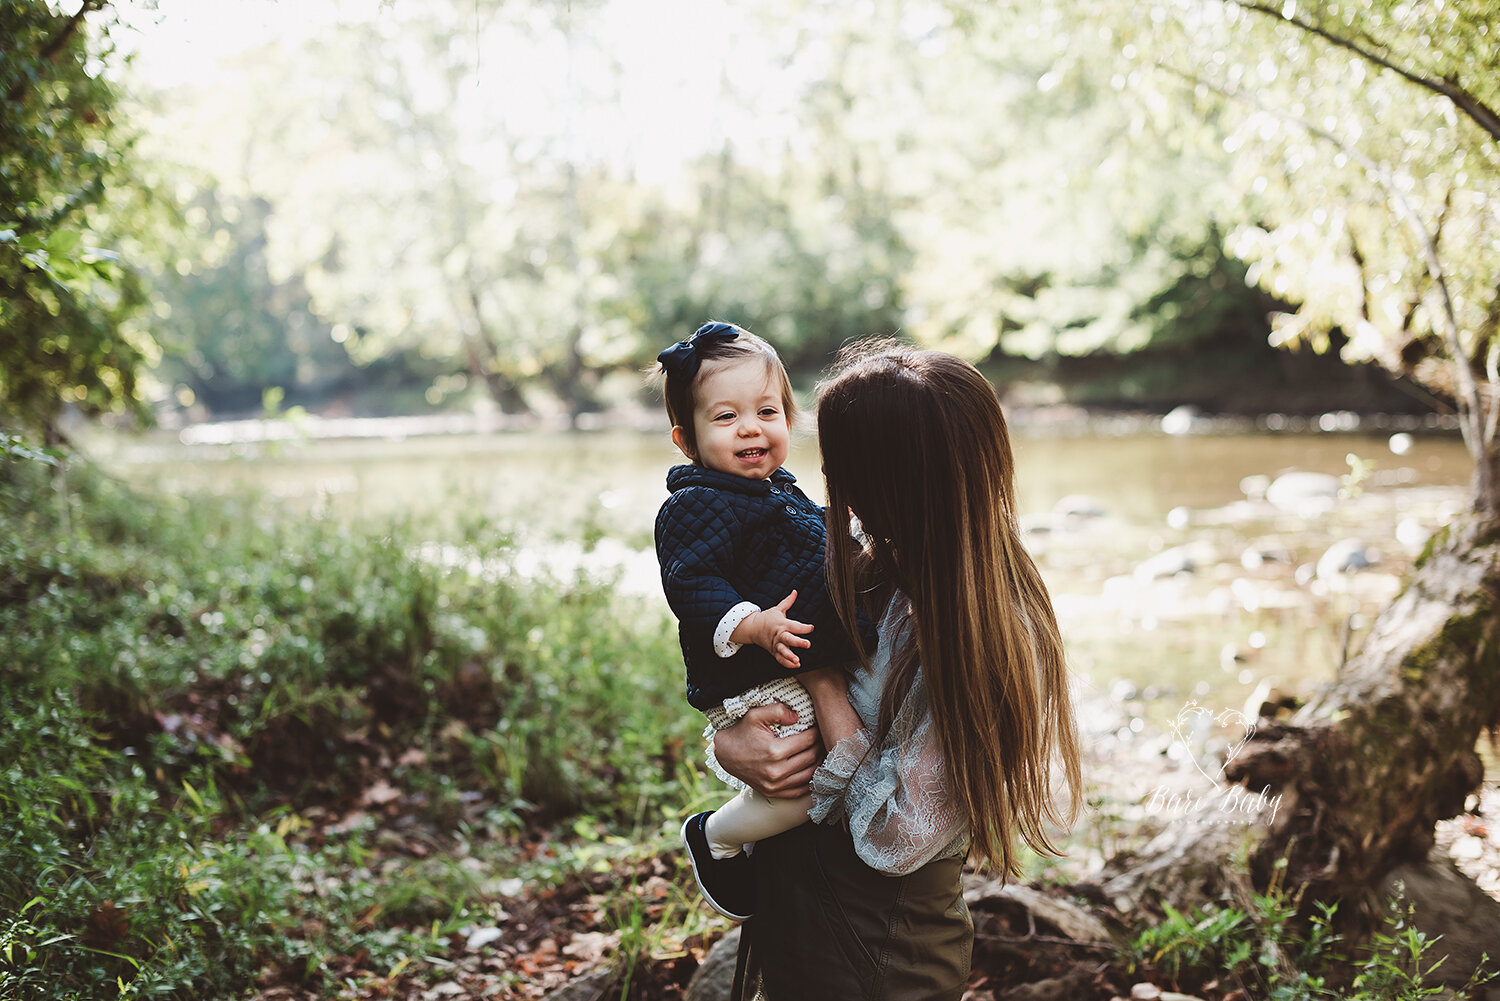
[790, 509]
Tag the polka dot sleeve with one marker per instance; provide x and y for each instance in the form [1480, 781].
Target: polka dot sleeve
[723, 645]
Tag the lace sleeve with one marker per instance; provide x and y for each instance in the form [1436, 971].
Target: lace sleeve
[895, 797]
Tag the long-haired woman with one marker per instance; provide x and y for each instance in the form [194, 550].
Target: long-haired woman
[953, 738]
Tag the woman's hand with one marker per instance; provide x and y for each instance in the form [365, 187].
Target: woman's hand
[778, 767]
[773, 630]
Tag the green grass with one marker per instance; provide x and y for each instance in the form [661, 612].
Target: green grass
[190, 691]
[1265, 950]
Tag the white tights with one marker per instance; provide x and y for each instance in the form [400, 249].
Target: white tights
[751, 817]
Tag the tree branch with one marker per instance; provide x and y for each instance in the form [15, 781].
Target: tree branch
[56, 44]
[1364, 275]
[1482, 114]
[1474, 417]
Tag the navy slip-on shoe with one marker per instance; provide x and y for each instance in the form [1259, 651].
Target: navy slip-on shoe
[727, 884]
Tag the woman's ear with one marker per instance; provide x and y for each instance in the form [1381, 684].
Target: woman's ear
[680, 440]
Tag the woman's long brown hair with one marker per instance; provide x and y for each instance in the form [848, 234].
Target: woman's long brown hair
[915, 446]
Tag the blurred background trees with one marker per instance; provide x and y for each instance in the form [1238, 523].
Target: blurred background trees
[1363, 156]
[432, 204]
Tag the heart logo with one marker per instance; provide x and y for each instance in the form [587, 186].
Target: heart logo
[1199, 733]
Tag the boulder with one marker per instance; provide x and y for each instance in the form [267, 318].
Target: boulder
[714, 979]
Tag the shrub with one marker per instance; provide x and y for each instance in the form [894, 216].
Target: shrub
[183, 683]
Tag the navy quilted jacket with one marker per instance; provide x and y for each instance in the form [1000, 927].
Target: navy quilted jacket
[722, 539]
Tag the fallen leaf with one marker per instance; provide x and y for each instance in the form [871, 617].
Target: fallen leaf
[481, 937]
[352, 820]
[379, 794]
[592, 946]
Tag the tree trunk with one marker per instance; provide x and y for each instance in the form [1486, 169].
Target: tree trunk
[1368, 767]
[1388, 750]
[505, 393]
[573, 381]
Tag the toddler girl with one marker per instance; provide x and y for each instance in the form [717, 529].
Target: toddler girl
[741, 548]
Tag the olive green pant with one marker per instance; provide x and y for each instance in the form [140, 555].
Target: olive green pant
[827, 927]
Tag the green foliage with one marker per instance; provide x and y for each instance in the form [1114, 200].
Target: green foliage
[534, 268]
[374, 192]
[1200, 940]
[65, 303]
[229, 331]
[1270, 952]
[806, 261]
[13, 446]
[183, 685]
[1364, 190]
[518, 260]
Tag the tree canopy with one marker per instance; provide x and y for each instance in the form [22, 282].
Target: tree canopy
[69, 335]
[439, 193]
[428, 211]
[1364, 149]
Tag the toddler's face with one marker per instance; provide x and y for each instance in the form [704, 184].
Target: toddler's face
[739, 419]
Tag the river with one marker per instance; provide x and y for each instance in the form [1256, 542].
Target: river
[551, 482]
[1171, 582]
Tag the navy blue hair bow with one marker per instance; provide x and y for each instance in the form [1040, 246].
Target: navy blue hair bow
[682, 359]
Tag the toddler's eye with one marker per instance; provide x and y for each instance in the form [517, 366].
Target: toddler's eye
[725, 416]
[769, 412]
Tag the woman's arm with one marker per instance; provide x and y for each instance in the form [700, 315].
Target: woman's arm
[829, 688]
[894, 797]
[778, 767]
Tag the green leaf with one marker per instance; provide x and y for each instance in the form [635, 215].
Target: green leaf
[15, 447]
[64, 241]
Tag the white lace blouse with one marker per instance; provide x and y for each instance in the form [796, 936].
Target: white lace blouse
[895, 797]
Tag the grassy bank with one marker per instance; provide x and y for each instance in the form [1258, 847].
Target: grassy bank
[240, 751]
[251, 753]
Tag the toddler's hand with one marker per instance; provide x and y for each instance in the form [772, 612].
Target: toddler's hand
[772, 629]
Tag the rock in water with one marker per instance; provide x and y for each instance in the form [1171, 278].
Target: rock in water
[1304, 493]
[1345, 556]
